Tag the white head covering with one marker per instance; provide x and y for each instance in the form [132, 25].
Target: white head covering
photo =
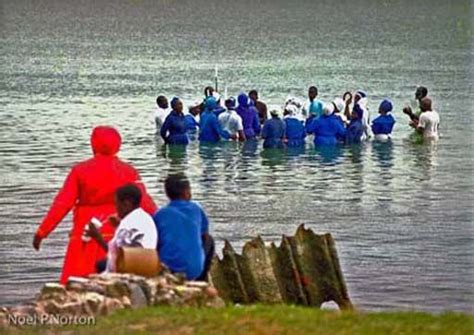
[340, 104]
[291, 109]
[195, 104]
[328, 108]
[293, 101]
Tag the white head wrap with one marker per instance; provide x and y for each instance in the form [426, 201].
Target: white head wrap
[328, 108]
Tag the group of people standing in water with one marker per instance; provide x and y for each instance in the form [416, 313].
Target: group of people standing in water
[346, 119]
[109, 192]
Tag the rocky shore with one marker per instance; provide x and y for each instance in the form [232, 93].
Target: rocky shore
[103, 294]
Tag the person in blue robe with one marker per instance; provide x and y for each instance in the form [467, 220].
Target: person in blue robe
[355, 129]
[249, 115]
[382, 126]
[173, 130]
[191, 120]
[295, 132]
[327, 128]
[210, 129]
[273, 131]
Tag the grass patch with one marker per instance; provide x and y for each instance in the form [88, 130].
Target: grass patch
[263, 320]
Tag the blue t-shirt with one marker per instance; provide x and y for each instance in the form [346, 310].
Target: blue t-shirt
[180, 227]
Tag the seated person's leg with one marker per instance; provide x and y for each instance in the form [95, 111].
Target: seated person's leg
[209, 251]
[101, 265]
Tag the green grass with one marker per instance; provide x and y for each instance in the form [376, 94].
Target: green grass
[265, 320]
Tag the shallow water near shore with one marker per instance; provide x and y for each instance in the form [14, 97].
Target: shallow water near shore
[401, 214]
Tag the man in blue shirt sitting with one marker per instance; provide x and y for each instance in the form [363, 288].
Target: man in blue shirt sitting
[184, 243]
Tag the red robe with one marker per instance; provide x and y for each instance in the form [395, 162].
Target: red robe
[89, 190]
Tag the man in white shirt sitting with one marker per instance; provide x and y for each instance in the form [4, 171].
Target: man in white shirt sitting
[231, 121]
[136, 227]
[428, 124]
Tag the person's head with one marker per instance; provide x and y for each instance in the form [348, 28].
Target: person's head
[328, 109]
[127, 199]
[195, 108]
[177, 105]
[359, 95]
[208, 91]
[177, 187]
[210, 103]
[290, 110]
[162, 102]
[253, 94]
[230, 103]
[275, 114]
[312, 93]
[105, 140]
[421, 92]
[243, 100]
[425, 104]
[385, 107]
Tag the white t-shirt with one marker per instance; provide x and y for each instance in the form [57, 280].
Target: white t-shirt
[429, 121]
[137, 229]
[160, 116]
[231, 121]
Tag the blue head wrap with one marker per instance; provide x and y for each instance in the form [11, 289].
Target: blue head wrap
[243, 100]
[210, 104]
[174, 101]
[386, 106]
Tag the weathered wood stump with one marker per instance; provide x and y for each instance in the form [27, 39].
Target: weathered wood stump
[303, 270]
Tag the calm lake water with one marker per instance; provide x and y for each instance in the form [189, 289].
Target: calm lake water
[401, 214]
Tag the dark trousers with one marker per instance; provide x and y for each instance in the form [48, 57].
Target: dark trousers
[209, 252]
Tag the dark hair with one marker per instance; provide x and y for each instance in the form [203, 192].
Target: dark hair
[313, 88]
[423, 90]
[175, 185]
[129, 192]
[253, 92]
[160, 100]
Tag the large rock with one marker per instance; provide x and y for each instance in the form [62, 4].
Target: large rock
[137, 296]
[303, 270]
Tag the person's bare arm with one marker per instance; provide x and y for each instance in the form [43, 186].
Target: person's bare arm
[347, 111]
[96, 235]
[408, 111]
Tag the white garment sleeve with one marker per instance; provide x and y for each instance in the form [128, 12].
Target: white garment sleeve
[239, 123]
[422, 121]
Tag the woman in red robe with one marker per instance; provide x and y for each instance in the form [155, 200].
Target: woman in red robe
[89, 190]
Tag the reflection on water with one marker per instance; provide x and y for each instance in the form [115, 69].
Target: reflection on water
[401, 214]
